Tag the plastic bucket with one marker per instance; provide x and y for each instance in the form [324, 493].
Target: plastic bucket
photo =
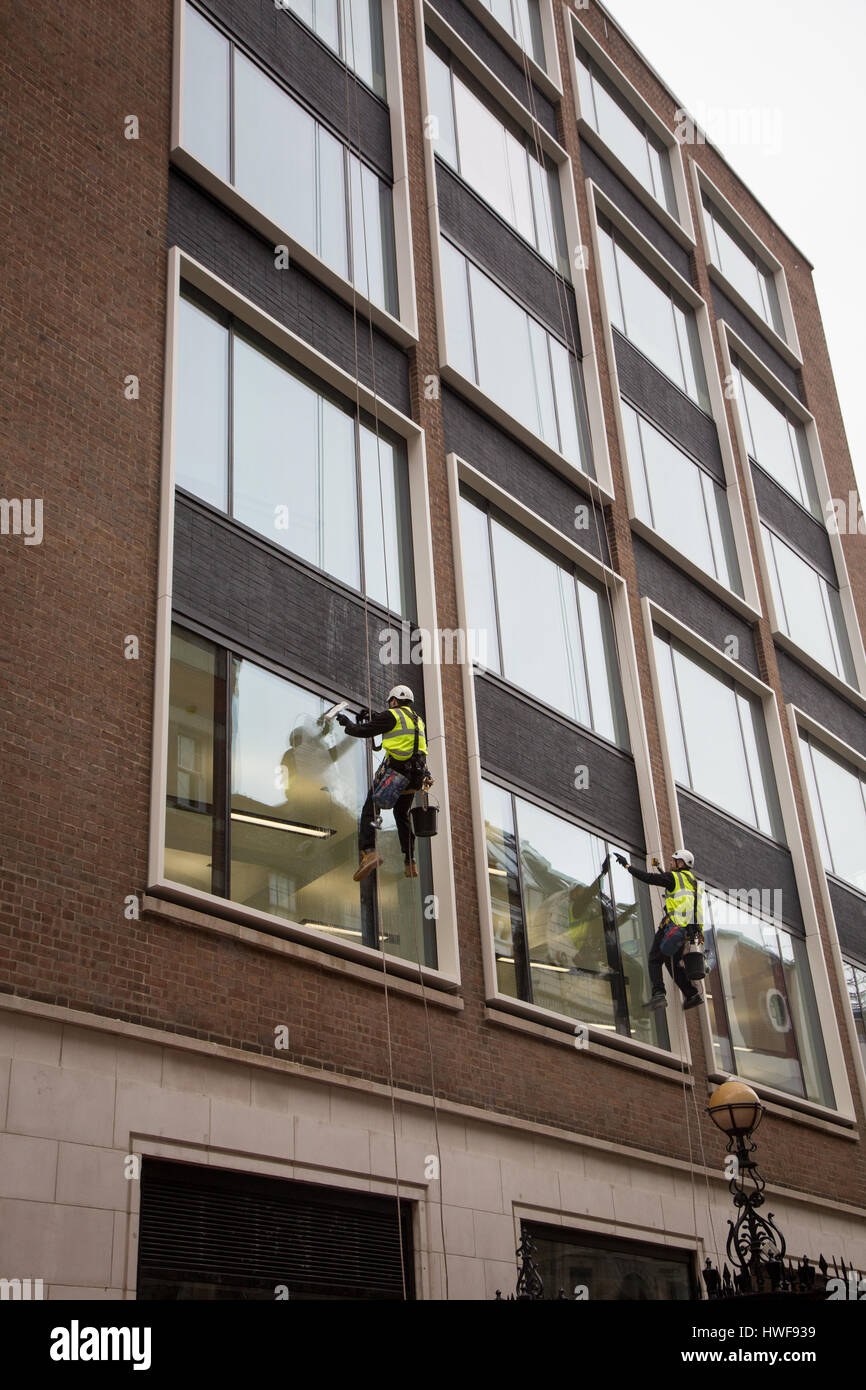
[424, 819]
[694, 965]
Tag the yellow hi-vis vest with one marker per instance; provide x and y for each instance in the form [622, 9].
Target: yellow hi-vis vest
[400, 743]
[680, 905]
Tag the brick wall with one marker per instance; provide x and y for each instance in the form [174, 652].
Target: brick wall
[85, 306]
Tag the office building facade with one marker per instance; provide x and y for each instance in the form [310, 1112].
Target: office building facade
[413, 342]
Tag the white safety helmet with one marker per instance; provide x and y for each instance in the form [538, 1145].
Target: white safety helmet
[402, 693]
[686, 856]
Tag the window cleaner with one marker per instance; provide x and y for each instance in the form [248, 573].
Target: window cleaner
[401, 774]
[683, 922]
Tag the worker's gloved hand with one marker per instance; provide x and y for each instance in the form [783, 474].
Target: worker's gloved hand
[621, 859]
[343, 719]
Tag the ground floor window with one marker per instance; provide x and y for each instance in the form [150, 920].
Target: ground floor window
[594, 1267]
[209, 1233]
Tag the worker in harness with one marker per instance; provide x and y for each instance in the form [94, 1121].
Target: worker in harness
[683, 908]
[404, 740]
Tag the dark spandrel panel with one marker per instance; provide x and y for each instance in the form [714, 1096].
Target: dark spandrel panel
[723, 308]
[222, 242]
[731, 857]
[511, 74]
[500, 458]
[659, 579]
[486, 238]
[272, 605]
[595, 168]
[849, 911]
[805, 533]
[668, 407]
[540, 753]
[806, 690]
[312, 71]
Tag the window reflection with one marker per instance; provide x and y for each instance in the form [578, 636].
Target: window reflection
[202, 411]
[298, 180]
[206, 85]
[855, 979]
[565, 937]
[497, 157]
[627, 134]
[765, 1019]
[660, 471]
[303, 469]
[282, 836]
[809, 609]
[514, 359]
[548, 628]
[776, 441]
[522, 19]
[609, 1269]
[718, 738]
[741, 265]
[650, 314]
[838, 793]
[352, 29]
[190, 812]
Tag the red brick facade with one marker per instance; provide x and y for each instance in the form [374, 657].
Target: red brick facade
[83, 224]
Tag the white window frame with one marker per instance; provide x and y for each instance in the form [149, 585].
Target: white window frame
[732, 345]
[460, 471]
[403, 330]
[601, 487]
[181, 266]
[788, 346]
[747, 604]
[654, 614]
[801, 722]
[681, 228]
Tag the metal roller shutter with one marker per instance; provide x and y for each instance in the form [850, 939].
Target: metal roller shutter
[206, 1232]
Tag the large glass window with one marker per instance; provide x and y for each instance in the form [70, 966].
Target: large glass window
[809, 609]
[567, 937]
[718, 738]
[652, 316]
[765, 1019]
[855, 978]
[257, 439]
[305, 181]
[628, 135]
[743, 268]
[680, 500]
[544, 625]
[776, 440]
[607, 1268]
[279, 833]
[522, 19]
[838, 794]
[498, 159]
[352, 29]
[514, 359]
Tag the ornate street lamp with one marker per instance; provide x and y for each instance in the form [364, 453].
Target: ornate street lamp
[756, 1246]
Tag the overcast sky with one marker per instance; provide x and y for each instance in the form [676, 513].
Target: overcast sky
[802, 64]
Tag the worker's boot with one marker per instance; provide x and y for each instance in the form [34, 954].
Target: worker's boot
[658, 1000]
[693, 1000]
[370, 860]
[411, 869]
